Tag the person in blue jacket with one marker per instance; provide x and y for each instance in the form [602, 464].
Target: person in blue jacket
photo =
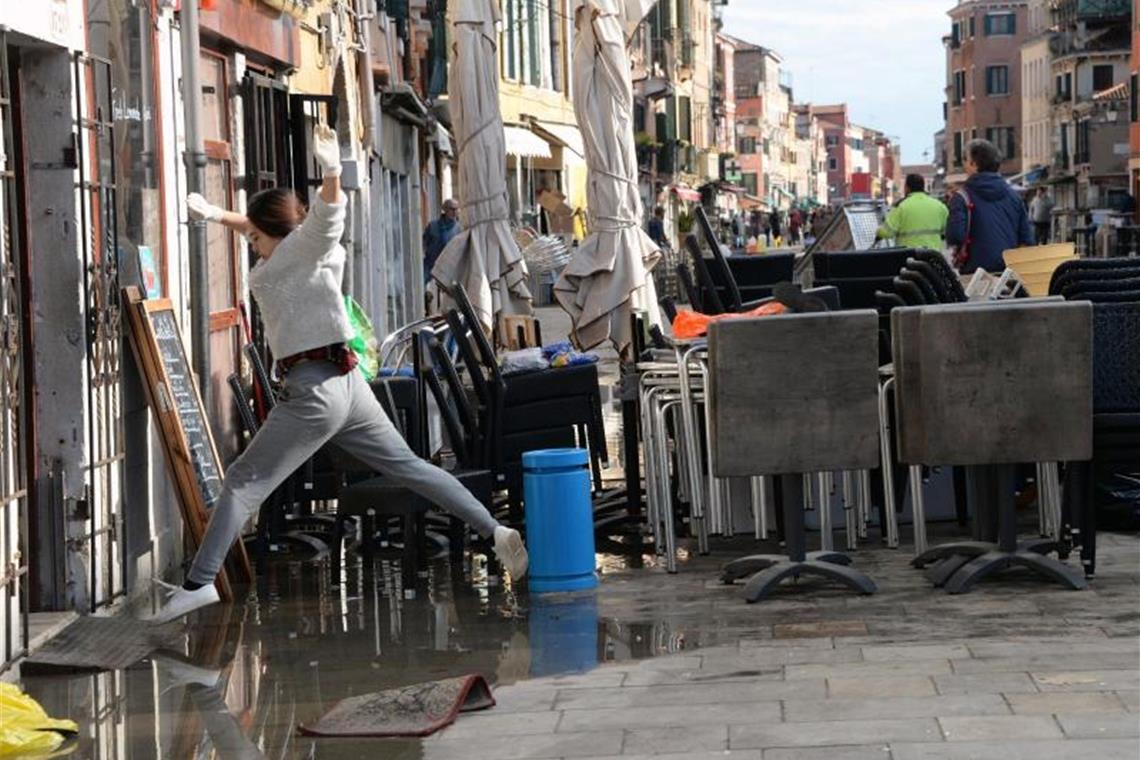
[987, 217]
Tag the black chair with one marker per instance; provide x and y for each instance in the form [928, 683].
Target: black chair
[1080, 267]
[543, 409]
[1116, 418]
[933, 279]
[949, 279]
[755, 275]
[858, 292]
[918, 279]
[1058, 283]
[723, 290]
[878, 262]
[379, 499]
[1081, 287]
[692, 293]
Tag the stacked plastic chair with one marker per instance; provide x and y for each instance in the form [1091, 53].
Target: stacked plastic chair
[1113, 287]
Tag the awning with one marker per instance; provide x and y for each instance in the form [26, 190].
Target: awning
[401, 101]
[442, 140]
[784, 192]
[685, 193]
[566, 135]
[722, 186]
[524, 143]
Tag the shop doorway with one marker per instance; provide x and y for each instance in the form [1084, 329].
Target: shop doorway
[14, 385]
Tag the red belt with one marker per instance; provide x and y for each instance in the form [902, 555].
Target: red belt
[337, 353]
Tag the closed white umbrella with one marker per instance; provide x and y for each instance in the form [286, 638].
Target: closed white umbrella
[609, 275]
[484, 257]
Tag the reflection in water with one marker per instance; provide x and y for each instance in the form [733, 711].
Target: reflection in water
[563, 633]
[249, 674]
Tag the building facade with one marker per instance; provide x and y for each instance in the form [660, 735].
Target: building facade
[1037, 87]
[544, 148]
[983, 80]
[676, 111]
[1091, 70]
[92, 186]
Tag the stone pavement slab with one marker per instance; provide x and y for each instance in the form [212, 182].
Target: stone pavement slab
[666, 717]
[585, 744]
[1088, 680]
[898, 652]
[1017, 750]
[898, 707]
[880, 686]
[676, 739]
[833, 733]
[690, 694]
[842, 752]
[1065, 702]
[999, 728]
[985, 683]
[724, 754]
[1092, 726]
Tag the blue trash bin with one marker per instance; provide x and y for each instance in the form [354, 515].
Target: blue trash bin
[559, 520]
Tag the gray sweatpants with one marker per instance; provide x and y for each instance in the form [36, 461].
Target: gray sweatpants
[320, 405]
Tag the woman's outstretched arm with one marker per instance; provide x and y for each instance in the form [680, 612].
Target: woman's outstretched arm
[199, 208]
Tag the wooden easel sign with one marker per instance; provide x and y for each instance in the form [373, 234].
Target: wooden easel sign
[186, 438]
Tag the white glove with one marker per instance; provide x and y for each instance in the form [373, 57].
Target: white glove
[201, 209]
[326, 150]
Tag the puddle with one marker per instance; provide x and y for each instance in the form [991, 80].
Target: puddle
[249, 674]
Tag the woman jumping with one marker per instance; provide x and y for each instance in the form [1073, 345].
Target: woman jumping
[297, 284]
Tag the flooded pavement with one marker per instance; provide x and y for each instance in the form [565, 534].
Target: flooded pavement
[250, 674]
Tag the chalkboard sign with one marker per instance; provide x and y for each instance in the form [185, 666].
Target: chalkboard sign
[183, 397]
[177, 405]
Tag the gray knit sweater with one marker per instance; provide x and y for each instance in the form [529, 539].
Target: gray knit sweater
[298, 287]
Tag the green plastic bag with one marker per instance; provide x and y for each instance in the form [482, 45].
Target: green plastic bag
[363, 342]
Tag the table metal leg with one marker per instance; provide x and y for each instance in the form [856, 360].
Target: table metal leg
[919, 503]
[826, 539]
[892, 528]
[864, 502]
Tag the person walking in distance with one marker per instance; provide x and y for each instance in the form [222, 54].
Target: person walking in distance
[774, 225]
[918, 221]
[1041, 212]
[439, 233]
[987, 218]
[297, 284]
[656, 228]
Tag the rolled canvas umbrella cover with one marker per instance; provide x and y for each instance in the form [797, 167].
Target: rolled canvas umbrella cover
[483, 257]
[609, 275]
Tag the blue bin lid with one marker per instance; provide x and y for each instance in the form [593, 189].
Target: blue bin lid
[543, 459]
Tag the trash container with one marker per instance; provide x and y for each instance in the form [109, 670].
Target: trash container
[559, 520]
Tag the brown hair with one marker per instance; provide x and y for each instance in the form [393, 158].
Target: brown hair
[275, 212]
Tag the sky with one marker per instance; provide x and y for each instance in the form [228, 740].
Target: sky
[884, 58]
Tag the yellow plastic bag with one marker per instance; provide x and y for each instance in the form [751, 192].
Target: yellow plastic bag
[24, 726]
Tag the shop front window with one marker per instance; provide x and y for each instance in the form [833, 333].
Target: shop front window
[122, 32]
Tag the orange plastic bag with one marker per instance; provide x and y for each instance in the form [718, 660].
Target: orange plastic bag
[692, 324]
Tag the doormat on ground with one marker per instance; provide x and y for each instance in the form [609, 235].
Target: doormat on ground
[101, 643]
[416, 710]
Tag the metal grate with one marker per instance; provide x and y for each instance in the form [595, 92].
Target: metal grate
[102, 547]
[267, 141]
[864, 220]
[13, 453]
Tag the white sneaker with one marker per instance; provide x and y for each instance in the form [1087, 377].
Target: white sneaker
[180, 602]
[511, 551]
[175, 673]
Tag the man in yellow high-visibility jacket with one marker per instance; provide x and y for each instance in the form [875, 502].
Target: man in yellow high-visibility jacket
[919, 221]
